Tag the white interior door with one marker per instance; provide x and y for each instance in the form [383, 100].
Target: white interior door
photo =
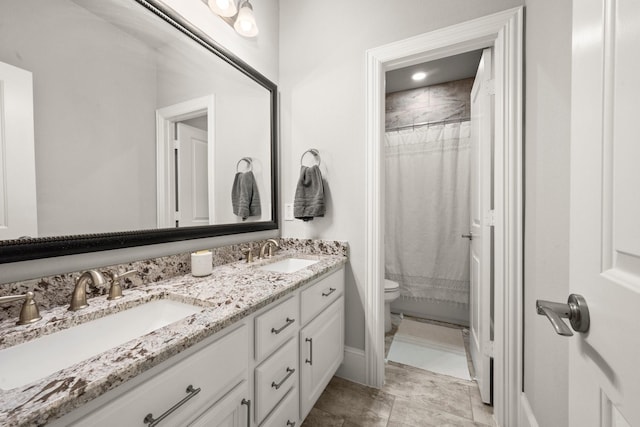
[18, 210]
[193, 176]
[480, 248]
[604, 377]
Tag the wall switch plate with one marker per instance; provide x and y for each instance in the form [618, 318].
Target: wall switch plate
[288, 211]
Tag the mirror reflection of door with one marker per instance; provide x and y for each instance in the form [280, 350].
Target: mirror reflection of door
[192, 198]
[18, 212]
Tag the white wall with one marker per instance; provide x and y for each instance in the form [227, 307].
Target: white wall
[322, 74]
[547, 135]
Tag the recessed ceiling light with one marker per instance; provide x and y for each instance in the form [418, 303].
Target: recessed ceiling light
[420, 75]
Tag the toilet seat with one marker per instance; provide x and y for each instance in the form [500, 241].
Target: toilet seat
[390, 285]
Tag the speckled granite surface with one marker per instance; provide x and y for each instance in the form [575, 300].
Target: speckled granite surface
[232, 292]
[55, 291]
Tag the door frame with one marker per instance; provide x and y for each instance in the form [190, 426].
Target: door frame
[165, 174]
[503, 31]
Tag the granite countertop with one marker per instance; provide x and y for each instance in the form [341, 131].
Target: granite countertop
[228, 295]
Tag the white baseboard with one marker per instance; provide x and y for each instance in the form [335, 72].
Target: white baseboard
[527, 419]
[353, 366]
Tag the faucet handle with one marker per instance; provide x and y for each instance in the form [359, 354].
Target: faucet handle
[115, 291]
[249, 253]
[29, 312]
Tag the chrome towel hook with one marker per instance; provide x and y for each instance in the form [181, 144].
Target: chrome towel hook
[249, 164]
[316, 155]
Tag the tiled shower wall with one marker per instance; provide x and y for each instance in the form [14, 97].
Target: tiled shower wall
[446, 101]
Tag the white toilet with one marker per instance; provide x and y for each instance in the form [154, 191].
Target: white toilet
[391, 293]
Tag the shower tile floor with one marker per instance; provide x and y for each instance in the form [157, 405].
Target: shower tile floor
[411, 397]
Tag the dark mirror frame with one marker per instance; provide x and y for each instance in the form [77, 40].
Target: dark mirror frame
[47, 247]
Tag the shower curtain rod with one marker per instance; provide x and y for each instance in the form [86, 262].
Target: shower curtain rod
[415, 125]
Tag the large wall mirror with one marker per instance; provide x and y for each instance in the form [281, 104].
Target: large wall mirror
[121, 125]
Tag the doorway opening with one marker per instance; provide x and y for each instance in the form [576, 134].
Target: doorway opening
[501, 32]
[437, 260]
[185, 163]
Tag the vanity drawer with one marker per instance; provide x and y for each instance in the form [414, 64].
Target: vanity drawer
[276, 326]
[286, 414]
[275, 377]
[215, 369]
[318, 297]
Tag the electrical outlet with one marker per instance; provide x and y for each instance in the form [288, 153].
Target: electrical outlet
[288, 212]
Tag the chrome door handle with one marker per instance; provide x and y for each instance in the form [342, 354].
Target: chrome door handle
[575, 310]
[468, 236]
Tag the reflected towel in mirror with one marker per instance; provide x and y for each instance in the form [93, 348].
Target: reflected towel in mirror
[245, 198]
[309, 198]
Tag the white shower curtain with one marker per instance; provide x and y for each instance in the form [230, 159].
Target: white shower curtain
[427, 210]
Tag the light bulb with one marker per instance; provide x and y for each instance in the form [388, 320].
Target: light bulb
[226, 8]
[245, 23]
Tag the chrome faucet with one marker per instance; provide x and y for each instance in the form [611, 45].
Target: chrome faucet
[79, 296]
[29, 312]
[115, 291]
[270, 243]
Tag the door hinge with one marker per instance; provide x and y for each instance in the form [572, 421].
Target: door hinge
[488, 349]
[177, 216]
[490, 219]
[176, 144]
[491, 87]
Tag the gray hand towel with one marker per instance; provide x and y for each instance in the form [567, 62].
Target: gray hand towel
[309, 198]
[245, 198]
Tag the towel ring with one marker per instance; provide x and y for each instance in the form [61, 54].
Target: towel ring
[315, 153]
[249, 164]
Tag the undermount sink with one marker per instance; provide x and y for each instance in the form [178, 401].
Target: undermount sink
[288, 265]
[32, 360]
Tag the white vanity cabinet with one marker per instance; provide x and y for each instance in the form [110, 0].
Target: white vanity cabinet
[266, 370]
[210, 380]
[321, 353]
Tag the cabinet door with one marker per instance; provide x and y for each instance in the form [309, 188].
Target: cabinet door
[211, 372]
[321, 353]
[230, 411]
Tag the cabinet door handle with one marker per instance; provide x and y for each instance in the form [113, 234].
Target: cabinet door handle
[310, 359]
[291, 423]
[155, 421]
[331, 290]
[248, 403]
[290, 372]
[289, 323]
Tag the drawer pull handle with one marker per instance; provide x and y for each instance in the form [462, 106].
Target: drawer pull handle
[291, 423]
[248, 403]
[310, 359]
[289, 323]
[290, 372]
[331, 290]
[155, 421]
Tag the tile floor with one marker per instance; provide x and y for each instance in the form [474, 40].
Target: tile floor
[411, 397]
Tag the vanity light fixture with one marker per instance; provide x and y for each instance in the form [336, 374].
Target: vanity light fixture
[245, 23]
[226, 8]
[243, 20]
[420, 75]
